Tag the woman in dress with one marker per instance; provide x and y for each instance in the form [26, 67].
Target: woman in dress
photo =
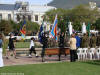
[1, 50]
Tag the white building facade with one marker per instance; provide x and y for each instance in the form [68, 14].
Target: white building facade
[22, 10]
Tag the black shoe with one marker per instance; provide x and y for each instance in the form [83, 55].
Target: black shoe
[43, 60]
[16, 58]
[7, 58]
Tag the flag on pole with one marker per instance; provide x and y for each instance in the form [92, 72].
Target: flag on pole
[88, 29]
[54, 28]
[23, 30]
[41, 33]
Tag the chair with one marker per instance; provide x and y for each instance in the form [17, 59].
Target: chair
[91, 53]
[98, 53]
[79, 53]
[84, 53]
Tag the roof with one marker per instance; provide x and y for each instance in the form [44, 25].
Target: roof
[7, 6]
[40, 8]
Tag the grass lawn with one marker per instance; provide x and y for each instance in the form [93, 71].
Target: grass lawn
[64, 68]
[25, 45]
[22, 44]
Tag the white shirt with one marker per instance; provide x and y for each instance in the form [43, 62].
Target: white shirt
[31, 43]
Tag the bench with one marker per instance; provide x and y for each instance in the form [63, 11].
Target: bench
[57, 51]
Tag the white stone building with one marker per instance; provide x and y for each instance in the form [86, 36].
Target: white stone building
[22, 10]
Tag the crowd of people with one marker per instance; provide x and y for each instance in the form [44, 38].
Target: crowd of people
[74, 42]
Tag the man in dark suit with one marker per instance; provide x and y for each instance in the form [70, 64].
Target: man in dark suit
[44, 42]
[61, 44]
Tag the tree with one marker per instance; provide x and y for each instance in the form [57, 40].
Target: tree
[77, 16]
[61, 16]
[96, 25]
[30, 27]
[14, 25]
[5, 27]
[81, 14]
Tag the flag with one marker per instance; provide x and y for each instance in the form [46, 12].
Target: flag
[41, 33]
[54, 28]
[88, 29]
[23, 30]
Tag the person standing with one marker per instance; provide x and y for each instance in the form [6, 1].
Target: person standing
[72, 43]
[66, 40]
[44, 42]
[32, 47]
[78, 41]
[11, 47]
[1, 50]
[93, 41]
[98, 40]
[61, 44]
[61, 40]
[85, 41]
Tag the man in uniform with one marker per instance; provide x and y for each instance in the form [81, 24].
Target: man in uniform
[98, 40]
[85, 41]
[93, 40]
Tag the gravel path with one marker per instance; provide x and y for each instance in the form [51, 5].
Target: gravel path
[23, 60]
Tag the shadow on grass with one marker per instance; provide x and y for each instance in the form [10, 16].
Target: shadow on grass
[93, 62]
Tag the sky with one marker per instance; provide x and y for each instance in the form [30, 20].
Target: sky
[35, 2]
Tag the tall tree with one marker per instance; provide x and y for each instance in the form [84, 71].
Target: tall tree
[5, 27]
[77, 16]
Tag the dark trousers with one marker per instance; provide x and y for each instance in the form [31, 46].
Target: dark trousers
[32, 50]
[43, 52]
[61, 51]
[72, 55]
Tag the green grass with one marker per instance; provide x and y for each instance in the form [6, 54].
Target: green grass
[64, 68]
[22, 44]
[25, 45]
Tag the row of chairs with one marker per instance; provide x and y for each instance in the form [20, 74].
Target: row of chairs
[88, 53]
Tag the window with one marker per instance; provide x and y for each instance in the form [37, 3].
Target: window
[29, 17]
[0, 17]
[36, 17]
[9, 16]
[24, 17]
[18, 18]
[24, 8]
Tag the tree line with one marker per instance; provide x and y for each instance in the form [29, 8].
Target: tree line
[77, 15]
[10, 26]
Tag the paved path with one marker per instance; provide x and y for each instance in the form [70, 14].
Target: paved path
[22, 60]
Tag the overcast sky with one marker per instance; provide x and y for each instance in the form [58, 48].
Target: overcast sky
[36, 2]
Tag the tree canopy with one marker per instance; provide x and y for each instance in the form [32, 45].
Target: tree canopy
[11, 26]
[77, 16]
